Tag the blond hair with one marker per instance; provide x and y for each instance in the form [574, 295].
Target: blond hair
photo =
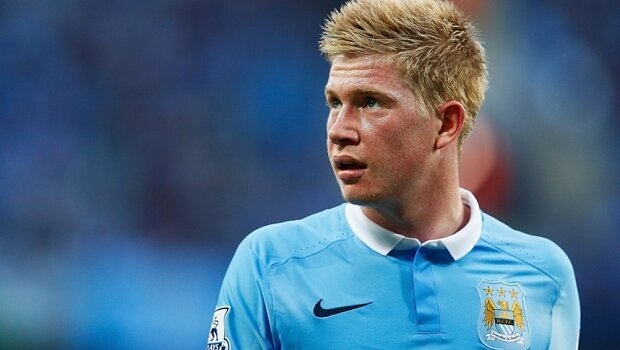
[430, 41]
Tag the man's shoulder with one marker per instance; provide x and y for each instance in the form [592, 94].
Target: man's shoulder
[298, 238]
[537, 251]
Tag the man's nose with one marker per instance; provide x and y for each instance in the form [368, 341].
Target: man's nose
[342, 128]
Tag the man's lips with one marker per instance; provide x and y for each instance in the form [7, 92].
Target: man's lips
[349, 169]
[344, 162]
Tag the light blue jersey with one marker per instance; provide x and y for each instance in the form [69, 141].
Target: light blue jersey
[314, 284]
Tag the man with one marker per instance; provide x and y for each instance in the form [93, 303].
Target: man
[410, 261]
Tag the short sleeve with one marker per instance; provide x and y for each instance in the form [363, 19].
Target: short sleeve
[241, 318]
[566, 313]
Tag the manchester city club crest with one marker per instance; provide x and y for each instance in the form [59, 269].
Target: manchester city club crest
[502, 323]
[217, 334]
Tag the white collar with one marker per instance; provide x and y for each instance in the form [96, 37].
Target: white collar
[383, 241]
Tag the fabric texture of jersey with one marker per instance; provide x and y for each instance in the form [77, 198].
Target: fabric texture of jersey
[313, 284]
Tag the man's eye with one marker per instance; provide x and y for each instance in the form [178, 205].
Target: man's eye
[334, 104]
[372, 103]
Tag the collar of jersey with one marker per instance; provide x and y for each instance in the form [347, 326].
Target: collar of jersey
[384, 241]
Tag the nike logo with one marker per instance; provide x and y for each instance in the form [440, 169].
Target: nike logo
[321, 312]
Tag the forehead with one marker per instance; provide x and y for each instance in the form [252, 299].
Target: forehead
[365, 72]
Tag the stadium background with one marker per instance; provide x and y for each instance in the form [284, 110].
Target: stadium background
[141, 140]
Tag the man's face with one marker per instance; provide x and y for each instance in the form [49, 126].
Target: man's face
[379, 146]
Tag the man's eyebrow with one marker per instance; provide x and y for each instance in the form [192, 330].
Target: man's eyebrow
[330, 93]
[371, 92]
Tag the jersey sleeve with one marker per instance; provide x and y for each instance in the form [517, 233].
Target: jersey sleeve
[566, 314]
[241, 319]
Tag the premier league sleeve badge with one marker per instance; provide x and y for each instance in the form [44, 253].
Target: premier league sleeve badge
[217, 333]
[502, 323]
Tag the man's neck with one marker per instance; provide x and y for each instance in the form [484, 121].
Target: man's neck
[427, 217]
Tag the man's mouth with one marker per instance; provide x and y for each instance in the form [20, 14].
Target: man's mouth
[348, 163]
[349, 169]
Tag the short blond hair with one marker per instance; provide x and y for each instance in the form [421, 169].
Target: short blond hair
[432, 43]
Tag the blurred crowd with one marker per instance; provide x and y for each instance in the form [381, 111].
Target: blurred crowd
[140, 141]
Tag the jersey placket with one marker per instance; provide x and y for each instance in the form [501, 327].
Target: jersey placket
[424, 290]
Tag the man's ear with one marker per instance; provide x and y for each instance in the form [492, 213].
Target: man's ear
[451, 117]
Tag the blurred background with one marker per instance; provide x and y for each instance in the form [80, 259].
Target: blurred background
[141, 140]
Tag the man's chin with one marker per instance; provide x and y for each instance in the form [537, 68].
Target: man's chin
[363, 199]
